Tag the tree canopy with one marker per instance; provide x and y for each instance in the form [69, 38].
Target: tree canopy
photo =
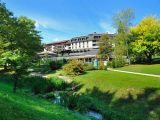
[20, 41]
[18, 36]
[105, 46]
[145, 38]
[122, 22]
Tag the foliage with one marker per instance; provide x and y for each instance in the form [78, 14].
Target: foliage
[48, 65]
[37, 84]
[122, 22]
[118, 62]
[122, 19]
[20, 106]
[77, 102]
[20, 42]
[43, 65]
[40, 85]
[101, 65]
[105, 46]
[57, 64]
[74, 67]
[59, 84]
[69, 100]
[137, 58]
[115, 94]
[88, 67]
[145, 38]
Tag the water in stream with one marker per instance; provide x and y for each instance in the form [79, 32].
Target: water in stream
[57, 100]
[95, 115]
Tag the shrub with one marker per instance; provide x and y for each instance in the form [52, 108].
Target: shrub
[57, 64]
[118, 63]
[69, 101]
[77, 102]
[40, 85]
[88, 67]
[59, 84]
[138, 58]
[102, 66]
[74, 67]
[46, 65]
[49, 95]
[84, 103]
[37, 84]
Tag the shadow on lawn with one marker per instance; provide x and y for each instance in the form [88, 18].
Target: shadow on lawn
[145, 106]
[142, 106]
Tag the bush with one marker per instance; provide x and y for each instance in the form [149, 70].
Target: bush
[46, 65]
[138, 58]
[59, 84]
[37, 84]
[77, 102]
[88, 67]
[117, 63]
[40, 85]
[102, 66]
[74, 67]
[84, 104]
[57, 64]
[49, 95]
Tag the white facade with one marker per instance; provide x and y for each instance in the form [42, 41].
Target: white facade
[78, 43]
[84, 45]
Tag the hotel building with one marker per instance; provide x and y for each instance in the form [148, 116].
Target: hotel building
[82, 47]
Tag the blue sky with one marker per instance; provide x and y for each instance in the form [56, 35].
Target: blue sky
[64, 19]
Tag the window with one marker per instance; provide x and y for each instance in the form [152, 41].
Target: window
[97, 36]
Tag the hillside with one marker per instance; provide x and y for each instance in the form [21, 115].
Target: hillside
[18, 106]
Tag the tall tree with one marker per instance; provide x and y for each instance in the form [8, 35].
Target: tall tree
[122, 22]
[124, 19]
[105, 47]
[145, 38]
[6, 31]
[20, 42]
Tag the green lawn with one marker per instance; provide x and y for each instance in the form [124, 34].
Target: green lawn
[149, 69]
[134, 96]
[22, 107]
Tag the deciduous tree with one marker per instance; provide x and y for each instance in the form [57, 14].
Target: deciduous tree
[105, 47]
[20, 42]
[122, 22]
[145, 38]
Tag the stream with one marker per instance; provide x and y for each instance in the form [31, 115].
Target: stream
[91, 113]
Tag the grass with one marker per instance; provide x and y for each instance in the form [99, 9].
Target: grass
[149, 69]
[128, 96]
[108, 80]
[55, 73]
[133, 96]
[18, 106]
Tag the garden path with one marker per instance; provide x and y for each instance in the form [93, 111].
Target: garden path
[137, 73]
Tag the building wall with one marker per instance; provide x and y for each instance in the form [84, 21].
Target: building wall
[90, 44]
[84, 42]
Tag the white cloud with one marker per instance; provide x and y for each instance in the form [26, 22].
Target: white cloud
[49, 23]
[65, 26]
[107, 27]
[55, 39]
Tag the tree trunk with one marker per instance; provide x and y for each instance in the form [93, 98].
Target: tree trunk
[149, 58]
[5, 66]
[15, 84]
